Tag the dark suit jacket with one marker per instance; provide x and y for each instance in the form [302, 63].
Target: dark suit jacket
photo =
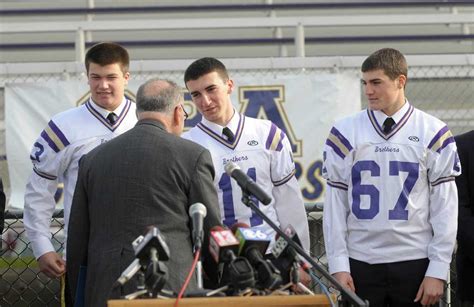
[465, 184]
[143, 177]
[2, 207]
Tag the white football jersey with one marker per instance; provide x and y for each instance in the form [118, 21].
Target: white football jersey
[389, 183]
[262, 151]
[55, 156]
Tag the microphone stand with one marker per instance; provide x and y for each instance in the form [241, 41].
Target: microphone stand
[351, 296]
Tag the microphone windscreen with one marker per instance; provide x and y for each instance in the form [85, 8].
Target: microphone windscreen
[230, 167]
[197, 207]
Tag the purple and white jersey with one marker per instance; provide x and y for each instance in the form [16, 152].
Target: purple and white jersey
[261, 150]
[390, 197]
[55, 156]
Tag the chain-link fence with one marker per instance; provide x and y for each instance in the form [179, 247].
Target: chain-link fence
[23, 285]
[445, 91]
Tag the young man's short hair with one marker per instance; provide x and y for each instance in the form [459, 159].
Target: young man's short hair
[204, 66]
[391, 61]
[108, 53]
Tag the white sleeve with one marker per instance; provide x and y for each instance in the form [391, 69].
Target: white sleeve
[289, 205]
[444, 165]
[38, 211]
[336, 170]
[49, 163]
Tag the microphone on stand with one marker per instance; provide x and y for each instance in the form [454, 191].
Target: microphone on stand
[234, 271]
[149, 249]
[152, 239]
[253, 244]
[287, 259]
[197, 212]
[128, 273]
[246, 183]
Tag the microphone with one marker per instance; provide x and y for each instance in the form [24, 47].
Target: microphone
[234, 270]
[144, 245]
[246, 183]
[282, 248]
[222, 244]
[286, 257]
[197, 212]
[254, 243]
[128, 273]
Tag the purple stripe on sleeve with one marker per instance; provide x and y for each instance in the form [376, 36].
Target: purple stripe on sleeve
[442, 180]
[335, 148]
[438, 135]
[271, 135]
[337, 185]
[446, 143]
[44, 175]
[341, 138]
[285, 179]
[50, 142]
[280, 143]
[58, 133]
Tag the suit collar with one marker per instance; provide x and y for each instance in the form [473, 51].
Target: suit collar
[151, 122]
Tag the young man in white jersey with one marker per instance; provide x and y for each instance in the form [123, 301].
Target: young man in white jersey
[390, 211]
[67, 137]
[258, 147]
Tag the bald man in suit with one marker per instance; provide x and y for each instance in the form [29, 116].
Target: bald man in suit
[146, 176]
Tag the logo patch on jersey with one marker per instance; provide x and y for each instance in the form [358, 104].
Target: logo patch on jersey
[414, 138]
[252, 143]
[386, 149]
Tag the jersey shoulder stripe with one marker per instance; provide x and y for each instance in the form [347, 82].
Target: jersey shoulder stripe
[443, 138]
[54, 137]
[341, 146]
[275, 138]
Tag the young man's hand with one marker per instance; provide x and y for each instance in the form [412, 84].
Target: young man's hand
[52, 264]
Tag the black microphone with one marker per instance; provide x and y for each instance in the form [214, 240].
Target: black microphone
[286, 257]
[153, 239]
[235, 271]
[128, 273]
[246, 183]
[222, 244]
[198, 212]
[254, 243]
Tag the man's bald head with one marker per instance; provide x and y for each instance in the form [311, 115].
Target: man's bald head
[157, 95]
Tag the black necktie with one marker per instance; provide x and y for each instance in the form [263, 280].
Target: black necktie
[112, 118]
[388, 124]
[228, 133]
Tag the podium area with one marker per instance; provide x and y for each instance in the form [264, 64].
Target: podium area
[231, 301]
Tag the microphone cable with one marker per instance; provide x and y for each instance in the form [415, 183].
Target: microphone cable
[188, 278]
[323, 287]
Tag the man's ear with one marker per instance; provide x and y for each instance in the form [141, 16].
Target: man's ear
[176, 115]
[230, 86]
[402, 81]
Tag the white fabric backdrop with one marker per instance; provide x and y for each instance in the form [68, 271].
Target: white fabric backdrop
[308, 106]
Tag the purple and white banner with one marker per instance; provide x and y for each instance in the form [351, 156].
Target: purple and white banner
[304, 106]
